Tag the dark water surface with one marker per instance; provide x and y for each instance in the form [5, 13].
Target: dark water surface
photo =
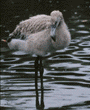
[66, 72]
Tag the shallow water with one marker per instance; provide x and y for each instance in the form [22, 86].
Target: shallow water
[66, 74]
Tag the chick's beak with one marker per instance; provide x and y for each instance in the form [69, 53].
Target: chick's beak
[53, 30]
[53, 33]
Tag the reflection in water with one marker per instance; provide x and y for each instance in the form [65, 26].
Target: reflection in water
[66, 74]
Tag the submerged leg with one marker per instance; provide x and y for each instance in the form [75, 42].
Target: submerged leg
[39, 67]
[36, 82]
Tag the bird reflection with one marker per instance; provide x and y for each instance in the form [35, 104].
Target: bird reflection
[39, 68]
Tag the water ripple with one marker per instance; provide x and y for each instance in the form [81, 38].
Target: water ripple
[9, 60]
[85, 44]
[81, 53]
[83, 32]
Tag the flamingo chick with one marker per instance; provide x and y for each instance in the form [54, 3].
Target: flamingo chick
[56, 37]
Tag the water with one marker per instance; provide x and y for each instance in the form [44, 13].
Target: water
[66, 73]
